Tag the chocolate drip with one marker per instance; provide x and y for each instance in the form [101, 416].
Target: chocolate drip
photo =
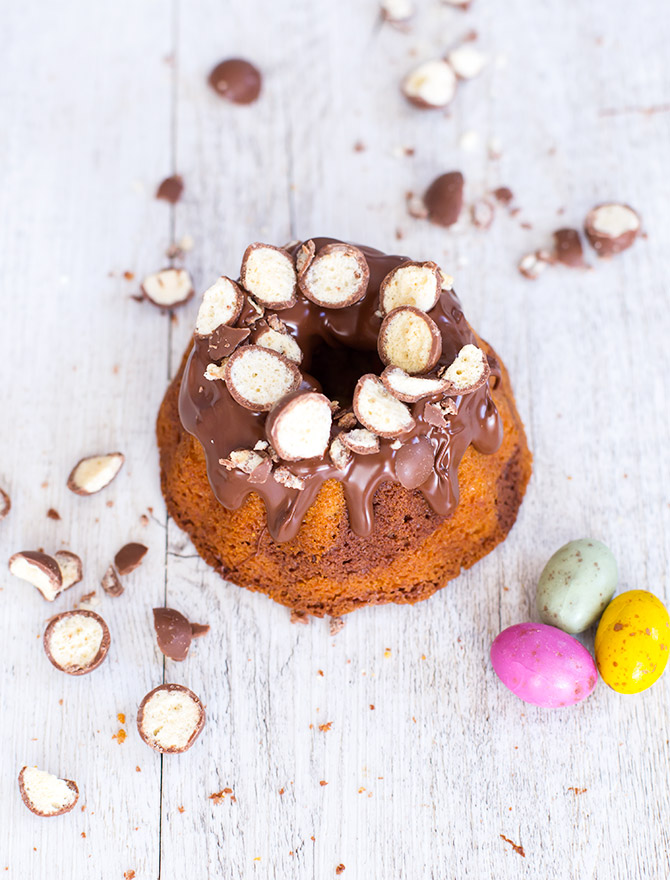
[209, 413]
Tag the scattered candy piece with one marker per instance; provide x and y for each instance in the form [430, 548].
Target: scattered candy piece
[71, 568]
[444, 198]
[612, 228]
[129, 557]
[174, 632]
[170, 718]
[431, 85]
[168, 288]
[40, 570]
[76, 642]
[45, 794]
[92, 474]
[170, 189]
[111, 583]
[236, 80]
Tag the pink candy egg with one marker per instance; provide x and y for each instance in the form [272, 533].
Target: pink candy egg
[543, 665]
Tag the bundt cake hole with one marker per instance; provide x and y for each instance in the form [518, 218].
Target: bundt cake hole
[338, 370]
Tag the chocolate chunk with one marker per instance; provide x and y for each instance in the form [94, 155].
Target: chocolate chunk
[224, 340]
[170, 189]
[568, 248]
[129, 557]
[173, 632]
[199, 629]
[444, 198]
[236, 80]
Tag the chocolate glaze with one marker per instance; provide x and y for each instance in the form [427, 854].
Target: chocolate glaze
[333, 340]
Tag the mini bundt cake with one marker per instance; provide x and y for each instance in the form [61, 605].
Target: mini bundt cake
[337, 435]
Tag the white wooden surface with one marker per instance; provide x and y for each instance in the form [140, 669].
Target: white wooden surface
[99, 102]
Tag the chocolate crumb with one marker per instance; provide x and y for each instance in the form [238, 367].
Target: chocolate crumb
[170, 189]
[359, 147]
[336, 624]
[515, 846]
[504, 195]
[53, 514]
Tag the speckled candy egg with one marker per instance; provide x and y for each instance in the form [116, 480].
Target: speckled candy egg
[543, 665]
[576, 585]
[632, 641]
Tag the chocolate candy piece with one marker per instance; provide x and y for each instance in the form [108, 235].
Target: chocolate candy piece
[221, 304]
[76, 642]
[612, 228]
[468, 372]
[236, 80]
[170, 718]
[46, 795]
[92, 474]
[71, 568]
[170, 189]
[111, 583]
[173, 632]
[40, 570]
[258, 377]
[168, 288]
[409, 339]
[431, 85]
[378, 410]
[444, 198]
[298, 427]
[568, 248]
[129, 557]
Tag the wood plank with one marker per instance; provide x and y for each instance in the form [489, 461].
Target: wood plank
[86, 138]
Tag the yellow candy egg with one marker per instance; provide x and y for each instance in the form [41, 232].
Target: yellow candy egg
[632, 642]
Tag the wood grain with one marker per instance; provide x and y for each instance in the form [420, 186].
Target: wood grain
[427, 760]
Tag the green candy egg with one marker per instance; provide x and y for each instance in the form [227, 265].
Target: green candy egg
[576, 585]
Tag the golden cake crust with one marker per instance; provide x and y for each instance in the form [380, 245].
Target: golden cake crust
[327, 568]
